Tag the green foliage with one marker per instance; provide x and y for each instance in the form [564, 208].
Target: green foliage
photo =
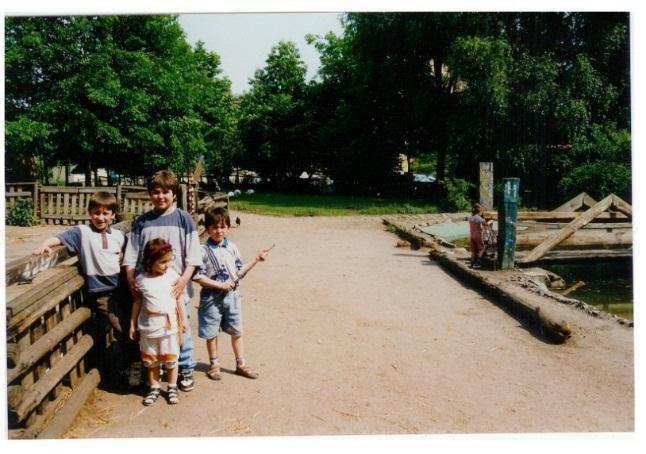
[326, 205]
[457, 195]
[600, 165]
[22, 213]
[98, 90]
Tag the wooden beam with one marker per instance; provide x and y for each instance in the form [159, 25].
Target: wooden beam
[39, 307]
[576, 203]
[47, 343]
[25, 268]
[33, 396]
[63, 419]
[582, 238]
[21, 297]
[555, 216]
[567, 231]
[621, 205]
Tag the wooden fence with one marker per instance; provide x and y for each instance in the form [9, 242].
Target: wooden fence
[68, 204]
[47, 380]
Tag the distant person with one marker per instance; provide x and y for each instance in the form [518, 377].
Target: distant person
[100, 249]
[157, 319]
[477, 223]
[176, 227]
[220, 304]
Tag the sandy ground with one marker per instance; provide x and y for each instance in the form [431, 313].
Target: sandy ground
[352, 335]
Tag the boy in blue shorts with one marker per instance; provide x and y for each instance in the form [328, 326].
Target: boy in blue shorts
[176, 227]
[220, 302]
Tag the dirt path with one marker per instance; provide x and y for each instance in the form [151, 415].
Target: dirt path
[352, 335]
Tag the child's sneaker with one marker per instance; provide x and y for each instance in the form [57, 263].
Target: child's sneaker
[186, 381]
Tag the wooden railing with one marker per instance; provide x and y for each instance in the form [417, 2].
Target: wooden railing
[15, 191]
[47, 380]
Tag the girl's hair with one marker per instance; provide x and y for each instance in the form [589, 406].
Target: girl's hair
[477, 208]
[103, 199]
[217, 216]
[153, 251]
[164, 179]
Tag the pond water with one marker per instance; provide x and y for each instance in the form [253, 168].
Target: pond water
[608, 286]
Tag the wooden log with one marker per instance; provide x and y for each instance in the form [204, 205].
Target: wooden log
[63, 419]
[564, 233]
[41, 285]
[24, 269]
[577, 203]
[39, 307]
[47, 343]
[555, 216]
[42, 421]
[36, 393]
[582, 238]
[621, 205]
[540, 320]
[13, 354]
[575, 255]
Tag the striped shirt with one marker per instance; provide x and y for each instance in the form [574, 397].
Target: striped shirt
[220, 262]
[176, 227]
[99, 254]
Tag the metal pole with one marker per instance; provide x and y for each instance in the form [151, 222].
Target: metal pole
[507, 216]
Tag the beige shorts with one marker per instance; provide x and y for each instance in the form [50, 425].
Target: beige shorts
[159, 350]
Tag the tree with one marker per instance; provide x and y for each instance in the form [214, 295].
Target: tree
[272, 128]
[97, 91]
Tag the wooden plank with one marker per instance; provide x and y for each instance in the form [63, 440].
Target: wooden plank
[62, 422]
[621, 205]
[36, 393]
[66, 204]
[574, 255]
[48, 342]
[67, 312]
[25, 268]
[576, 203]
[55, 353]
[555, 216]
[567, 231]
[27, 317]
[582, 238]
[42, 421]
[50, 203]
[41, 286]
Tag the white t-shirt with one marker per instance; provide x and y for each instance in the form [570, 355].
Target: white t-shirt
[158, 316]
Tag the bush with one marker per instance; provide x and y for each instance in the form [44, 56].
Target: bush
[22, 214]
[457, 195]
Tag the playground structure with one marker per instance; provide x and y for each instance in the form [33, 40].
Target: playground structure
[580, 229]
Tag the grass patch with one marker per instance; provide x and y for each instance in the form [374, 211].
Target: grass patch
[326, 205]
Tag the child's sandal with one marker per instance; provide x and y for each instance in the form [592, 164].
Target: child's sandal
[173, 398]
[214, 372]
[151, 397]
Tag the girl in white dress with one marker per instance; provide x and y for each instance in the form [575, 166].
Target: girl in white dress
[157, 319]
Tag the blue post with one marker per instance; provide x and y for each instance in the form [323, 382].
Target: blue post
[507, 216]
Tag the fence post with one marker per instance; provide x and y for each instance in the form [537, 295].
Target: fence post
[36, 201]
[507, 215]
[118, 196]
[486, 185]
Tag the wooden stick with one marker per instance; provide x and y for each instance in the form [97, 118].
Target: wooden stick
[567, 231]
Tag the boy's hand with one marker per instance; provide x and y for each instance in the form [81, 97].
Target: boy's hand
[178, 287]
[262, 255]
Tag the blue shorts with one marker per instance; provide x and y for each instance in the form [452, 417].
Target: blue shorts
[220, 311]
